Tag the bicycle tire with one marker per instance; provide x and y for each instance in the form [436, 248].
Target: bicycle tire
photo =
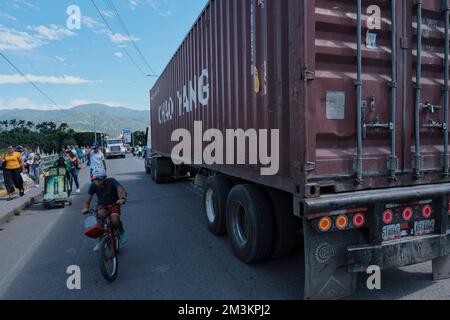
[109, 276]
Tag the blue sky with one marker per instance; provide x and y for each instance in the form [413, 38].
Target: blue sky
[90, 64]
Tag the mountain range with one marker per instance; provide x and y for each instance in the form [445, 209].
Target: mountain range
[110, 120]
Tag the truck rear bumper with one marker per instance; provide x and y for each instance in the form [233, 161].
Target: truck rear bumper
[399, 253]
[369, 197]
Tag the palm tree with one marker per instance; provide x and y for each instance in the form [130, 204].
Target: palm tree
[5, 124]
[21, 125]
[63, 127]
[30, 125]
[13, 123]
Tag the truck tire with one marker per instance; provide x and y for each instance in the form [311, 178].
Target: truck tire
[157, 176]
[215, 204]
[147, 169]
[249, 223]
[284, 223]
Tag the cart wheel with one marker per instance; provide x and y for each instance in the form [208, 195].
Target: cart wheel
[46, 206]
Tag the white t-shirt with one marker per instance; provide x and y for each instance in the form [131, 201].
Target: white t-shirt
[97, 160]
[30, 159]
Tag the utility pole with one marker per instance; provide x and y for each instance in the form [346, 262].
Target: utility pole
[95, 130]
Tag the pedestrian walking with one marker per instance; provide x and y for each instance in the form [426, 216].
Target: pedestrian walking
[79, 153]
[12, 167]
[96, 159]
[74, 170]
[35, 163]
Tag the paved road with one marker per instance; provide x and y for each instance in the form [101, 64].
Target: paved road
[171, 255]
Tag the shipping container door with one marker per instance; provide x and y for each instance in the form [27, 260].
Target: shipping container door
[425, 86]
[335, 107]
[404, 109]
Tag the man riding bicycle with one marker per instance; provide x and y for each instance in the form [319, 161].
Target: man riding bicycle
[110, 197]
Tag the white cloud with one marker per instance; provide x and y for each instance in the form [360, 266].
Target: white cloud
[61, 59]
[25, 103]
[18, 79]
[108, 14]
[53, 32]
[11, 39]
[22, 4]
[120, 38]
[119, 55]
[134, 4]
[163, 7]
[7, 16]
[91, 23]
[81, 102]
[18, 103]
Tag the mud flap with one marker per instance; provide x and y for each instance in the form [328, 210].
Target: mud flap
[441, 268]
[326, 274]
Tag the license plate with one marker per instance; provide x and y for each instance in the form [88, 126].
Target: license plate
[392, 232]
[424, 227]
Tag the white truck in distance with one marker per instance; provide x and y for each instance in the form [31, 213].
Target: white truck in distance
[115, 148]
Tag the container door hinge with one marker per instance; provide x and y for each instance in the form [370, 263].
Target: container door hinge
[404, 43]
[308, 75]
[309, 167]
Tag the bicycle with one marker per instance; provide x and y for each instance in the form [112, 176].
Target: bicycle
[109, 245]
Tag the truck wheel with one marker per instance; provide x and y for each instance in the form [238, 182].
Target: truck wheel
[157, 176]
[284, 223]
[147, 169]
[215, 204]
[249, 223]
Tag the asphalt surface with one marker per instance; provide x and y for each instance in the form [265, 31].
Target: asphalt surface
[170, 255]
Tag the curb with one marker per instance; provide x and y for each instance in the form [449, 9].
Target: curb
[6, 217]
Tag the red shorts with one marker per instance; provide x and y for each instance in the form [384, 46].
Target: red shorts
[115, 210]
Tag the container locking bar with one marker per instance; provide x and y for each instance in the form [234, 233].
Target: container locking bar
[446, 10]
[391, 126]
[428, 107]
[418, 91]
[359, 102]
[393, 158]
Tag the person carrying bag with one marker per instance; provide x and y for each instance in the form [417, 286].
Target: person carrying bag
[12, 167]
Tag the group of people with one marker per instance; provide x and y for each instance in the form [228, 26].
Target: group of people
[19, 165]
[110, 194]
[71, 158]
[139, 151]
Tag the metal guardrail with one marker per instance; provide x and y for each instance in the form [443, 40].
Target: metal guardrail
[47, 162]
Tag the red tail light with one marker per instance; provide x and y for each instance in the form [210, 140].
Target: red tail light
[407, 214]
[359, 220]
[427, 212]
[388, 216]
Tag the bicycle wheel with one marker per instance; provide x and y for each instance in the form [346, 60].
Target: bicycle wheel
[117, 241]
[109, 264]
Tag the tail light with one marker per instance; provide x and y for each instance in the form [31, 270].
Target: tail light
[407, 214]
[388, 216]
[427, 212]
[359, 220]
[325, 224]
[342, 222]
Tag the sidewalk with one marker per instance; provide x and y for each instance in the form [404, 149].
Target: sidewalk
[9, 209]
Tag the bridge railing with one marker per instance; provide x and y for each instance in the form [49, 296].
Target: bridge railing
[47, 162]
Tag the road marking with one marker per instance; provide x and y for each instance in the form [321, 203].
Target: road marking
[11, 276]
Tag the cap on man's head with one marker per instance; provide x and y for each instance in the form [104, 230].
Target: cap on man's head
[99, 174]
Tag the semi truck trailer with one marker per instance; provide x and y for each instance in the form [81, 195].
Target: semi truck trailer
[353, 95]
